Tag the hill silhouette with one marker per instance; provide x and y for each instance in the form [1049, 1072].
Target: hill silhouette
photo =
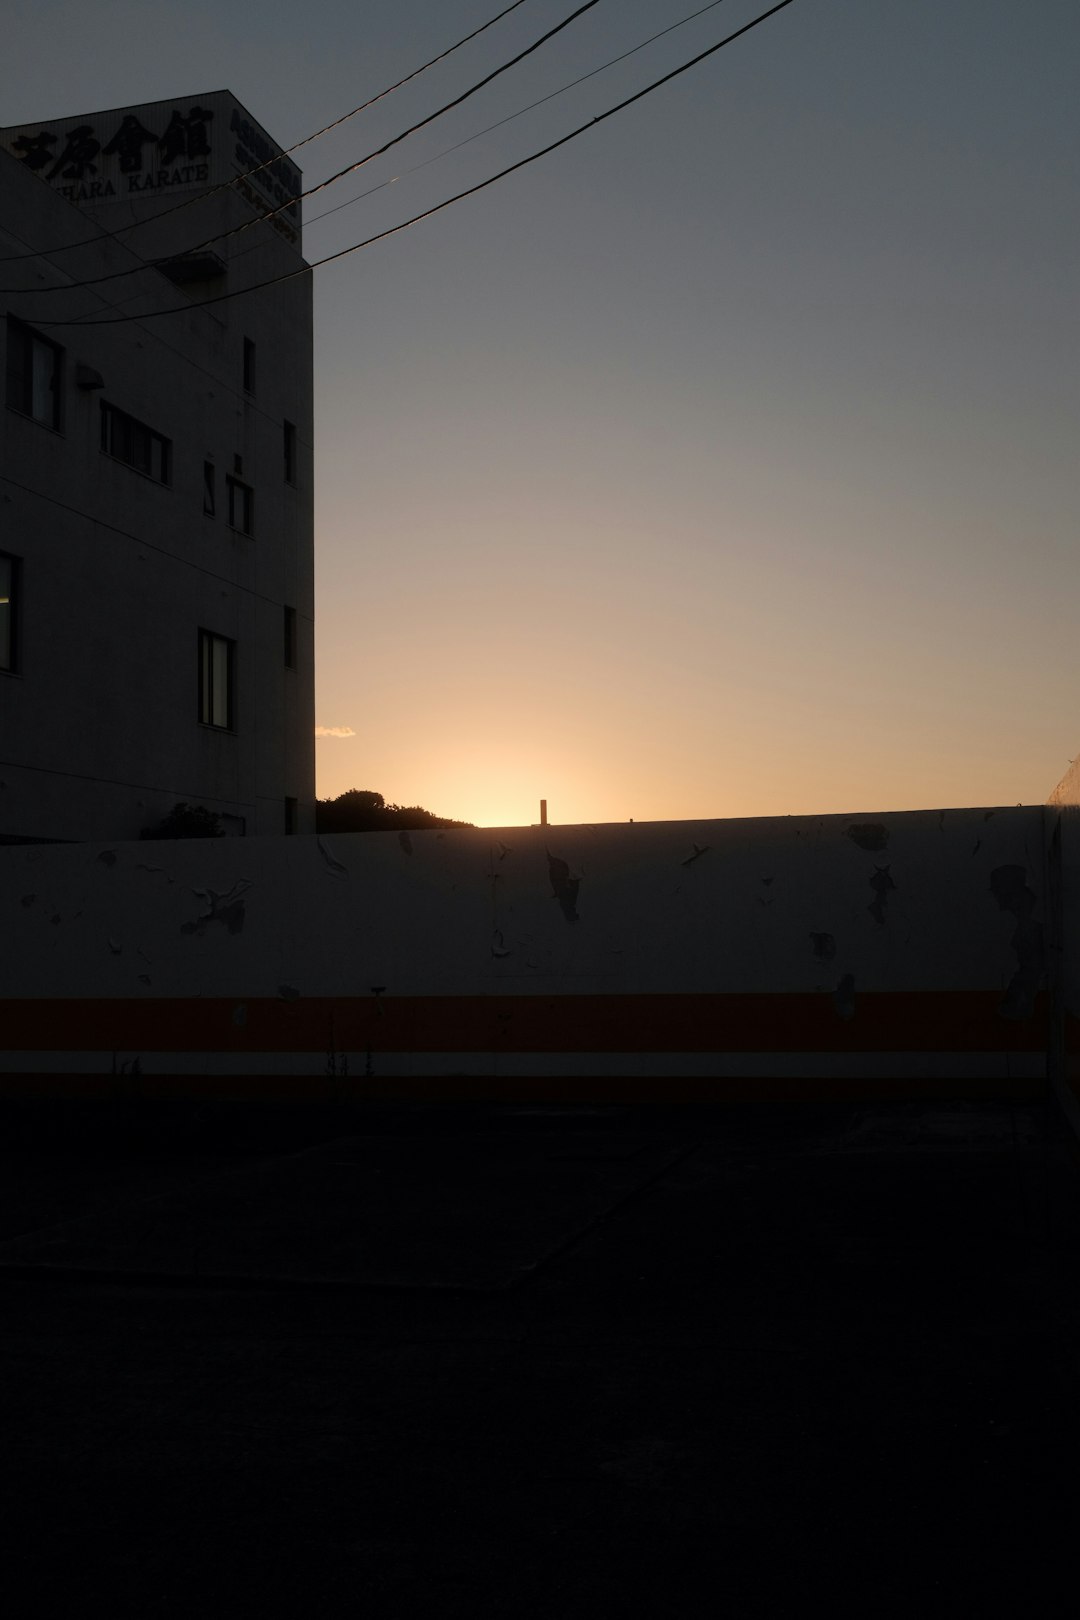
[359, 810]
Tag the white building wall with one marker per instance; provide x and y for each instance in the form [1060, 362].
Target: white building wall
[893, 954]
[1063, 881]
[99, 725]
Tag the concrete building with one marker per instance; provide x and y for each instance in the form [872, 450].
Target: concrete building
[156, 501]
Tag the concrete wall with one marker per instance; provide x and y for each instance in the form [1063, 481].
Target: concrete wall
[99, 725]
[1063, 885]
[895, 954]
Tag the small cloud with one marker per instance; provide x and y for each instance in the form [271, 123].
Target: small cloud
[334, 731]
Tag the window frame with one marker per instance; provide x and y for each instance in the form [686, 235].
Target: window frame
[289, 451]
[122, 433]
[209, 641]
[19, 379]
[233, 487]
[9, 661]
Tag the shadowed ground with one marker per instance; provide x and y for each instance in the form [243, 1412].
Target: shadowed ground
[539, 1362]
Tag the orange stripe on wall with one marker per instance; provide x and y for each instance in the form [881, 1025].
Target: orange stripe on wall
[899, 1021]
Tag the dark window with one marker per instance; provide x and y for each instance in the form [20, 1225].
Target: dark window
[34, 370]
[209, 497]
[135, 444]
[290, 452]
[249, 366]
[9, 612]
[290, 637]
[290, 815]
[217, 659]
[241, 506]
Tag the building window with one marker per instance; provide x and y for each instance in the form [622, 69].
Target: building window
[290, 816]
[34, 372]
[249, 366]
[217, 681]
[290, 452]
[9, 612]
[135, 444]
[209, 495]
[289, 624]
[241, 506]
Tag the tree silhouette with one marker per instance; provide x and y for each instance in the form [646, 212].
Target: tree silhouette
[359, 810]
[187, 821]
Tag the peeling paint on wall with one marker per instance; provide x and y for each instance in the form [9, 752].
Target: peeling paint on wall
[332, 862]
[844, 997]
[406, 842]
[564, 888]
[225, 908]
[1008, 885]
[699, 851]
[869, 835]
[142, 866]
[824, 946]
[882, 884]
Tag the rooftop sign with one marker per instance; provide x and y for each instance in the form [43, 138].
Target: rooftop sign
[174, 147]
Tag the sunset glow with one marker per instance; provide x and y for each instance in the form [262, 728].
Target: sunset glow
[721, 462]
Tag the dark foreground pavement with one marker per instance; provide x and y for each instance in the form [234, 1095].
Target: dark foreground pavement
[513, 1362]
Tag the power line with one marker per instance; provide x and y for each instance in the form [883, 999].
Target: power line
[397, 139]
[393, 230]
[383, 185]
[227, 185]
[510, 117]
[236, 230]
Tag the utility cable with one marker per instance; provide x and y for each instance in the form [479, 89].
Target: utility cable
[393, 230]
[257, 219]
[510, 117]
[383, 185]
[613, 61]
[227, 185]
[397, 139]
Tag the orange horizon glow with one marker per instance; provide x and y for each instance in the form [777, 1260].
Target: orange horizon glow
[721, 464]
[495, 805]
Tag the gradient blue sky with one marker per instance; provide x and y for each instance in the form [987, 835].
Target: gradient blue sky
[723, 462]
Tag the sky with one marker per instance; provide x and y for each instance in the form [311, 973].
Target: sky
[721, 463]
